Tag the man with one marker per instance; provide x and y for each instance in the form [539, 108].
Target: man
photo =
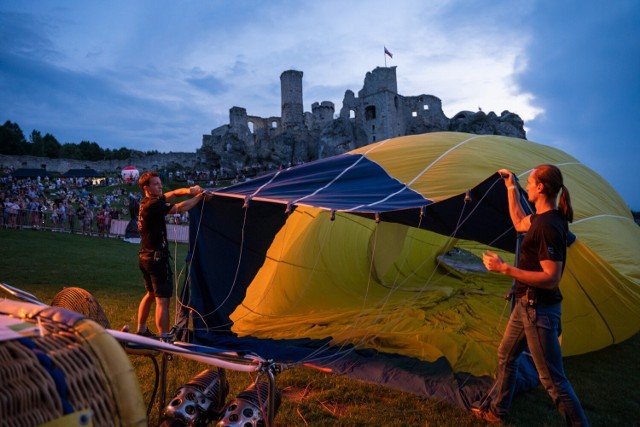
[535, 319]
[71, 216]
[81, 213]
[154, 249]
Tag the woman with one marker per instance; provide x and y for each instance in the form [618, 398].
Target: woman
[535, 319]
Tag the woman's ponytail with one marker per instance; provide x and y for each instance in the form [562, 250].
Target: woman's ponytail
[565, 204]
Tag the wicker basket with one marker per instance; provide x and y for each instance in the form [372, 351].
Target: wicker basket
[72, 365]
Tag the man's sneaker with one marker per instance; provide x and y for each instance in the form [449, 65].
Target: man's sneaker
[168, 338]
[486, 415]
[146, 333]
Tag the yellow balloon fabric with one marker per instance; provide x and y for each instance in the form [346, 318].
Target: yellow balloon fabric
[387, 286]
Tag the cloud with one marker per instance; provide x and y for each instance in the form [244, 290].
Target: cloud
[235, 58]
[158, 75]
[584, 74]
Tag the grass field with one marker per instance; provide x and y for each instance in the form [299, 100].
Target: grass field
[41, 262]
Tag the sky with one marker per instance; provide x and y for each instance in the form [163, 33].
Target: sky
[158, 74]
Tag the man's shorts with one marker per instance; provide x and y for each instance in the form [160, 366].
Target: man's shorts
[157, 274]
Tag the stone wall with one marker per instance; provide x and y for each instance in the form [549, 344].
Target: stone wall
[150, 162]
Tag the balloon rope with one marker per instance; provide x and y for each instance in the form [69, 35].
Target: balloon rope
[179, 303]
[355, 325]
[366, 339]
[235, 278]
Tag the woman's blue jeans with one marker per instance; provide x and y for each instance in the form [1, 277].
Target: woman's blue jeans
[536, 327]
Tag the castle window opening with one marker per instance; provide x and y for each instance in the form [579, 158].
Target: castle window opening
[414, 114]
[274, 124]
[425, 107]
[352, 114]
[250, 124]
[370, 112]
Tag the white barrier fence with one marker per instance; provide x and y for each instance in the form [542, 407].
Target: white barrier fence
[22, 219]
[179, 233]
[118, 227]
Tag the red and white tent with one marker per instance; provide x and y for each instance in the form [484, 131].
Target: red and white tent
[130, 173]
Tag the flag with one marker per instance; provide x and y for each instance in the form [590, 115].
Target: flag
[386, 52]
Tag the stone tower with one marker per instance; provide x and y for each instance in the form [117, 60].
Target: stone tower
[291, 94]
[238, 117]
[378, 110]
[381, 104]
[321, 115]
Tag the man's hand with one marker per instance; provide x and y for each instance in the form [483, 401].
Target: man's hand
[493, 262]
[195, 190]
[508, 176]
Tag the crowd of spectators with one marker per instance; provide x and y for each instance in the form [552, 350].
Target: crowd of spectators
[71, 205]
[63, 204]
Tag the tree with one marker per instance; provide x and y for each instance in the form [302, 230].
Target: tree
[12, 140]
[70, 150]
[211, 157]
[91, 151]
[44, 146]
[51, 146]
[37, 143]
[119, 154]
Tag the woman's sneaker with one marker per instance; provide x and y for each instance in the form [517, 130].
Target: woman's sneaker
[486, 415]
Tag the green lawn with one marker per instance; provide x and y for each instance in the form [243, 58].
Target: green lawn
[43, 262]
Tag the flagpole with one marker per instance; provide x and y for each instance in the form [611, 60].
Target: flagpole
[385, 53]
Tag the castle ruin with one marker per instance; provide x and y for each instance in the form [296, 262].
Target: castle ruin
[377, 113]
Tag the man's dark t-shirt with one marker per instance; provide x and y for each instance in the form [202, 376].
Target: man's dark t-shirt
[151, 224]
[81, 212]
[545, 240]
